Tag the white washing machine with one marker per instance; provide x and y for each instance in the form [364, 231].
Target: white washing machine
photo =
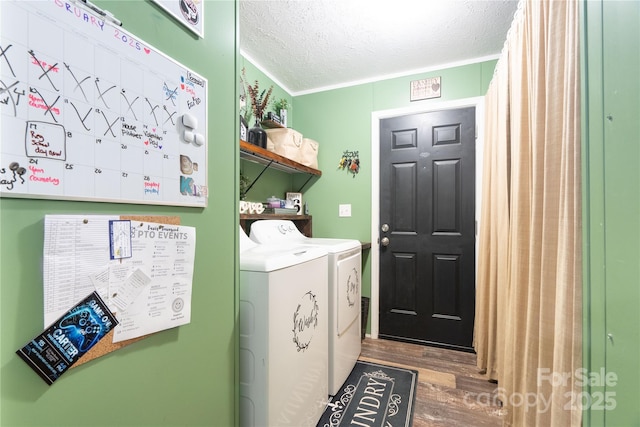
[283, 334]
[345, 268]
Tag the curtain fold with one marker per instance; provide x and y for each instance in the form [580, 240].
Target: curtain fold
[493, 234]
[528, 301]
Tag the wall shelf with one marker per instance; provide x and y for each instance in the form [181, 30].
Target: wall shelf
[256, 154]
[270, 124]
[259, 155]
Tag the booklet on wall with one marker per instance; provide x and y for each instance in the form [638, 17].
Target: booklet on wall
[52, 353]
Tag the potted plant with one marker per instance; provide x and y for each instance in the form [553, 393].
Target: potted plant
[280, 107]
[244, 185]
[258, 102]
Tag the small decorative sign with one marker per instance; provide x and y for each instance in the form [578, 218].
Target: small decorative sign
[305, 321]
[251, 207]
[296, 201]
[425, 89]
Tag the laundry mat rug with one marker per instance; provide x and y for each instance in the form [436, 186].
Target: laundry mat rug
[373, 395]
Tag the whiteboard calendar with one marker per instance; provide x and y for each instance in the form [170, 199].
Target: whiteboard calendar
[91, 112]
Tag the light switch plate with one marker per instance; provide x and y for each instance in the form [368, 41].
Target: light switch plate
[344, 210]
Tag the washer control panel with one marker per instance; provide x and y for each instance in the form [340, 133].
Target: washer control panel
[275, 231]
[287, 228]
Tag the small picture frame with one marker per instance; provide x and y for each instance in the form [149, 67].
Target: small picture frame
[425, 89]
[296, 199]
[244, 129]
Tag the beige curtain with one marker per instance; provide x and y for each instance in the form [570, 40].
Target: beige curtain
[528, 302]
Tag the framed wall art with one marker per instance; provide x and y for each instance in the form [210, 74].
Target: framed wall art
[425, 89]
[296, 198]
[190, 13]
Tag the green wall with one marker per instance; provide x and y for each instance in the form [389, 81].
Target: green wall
[188, 375]
[252, 73]
[183, 376]
[272, 182]
[340, 120]
[611, 206]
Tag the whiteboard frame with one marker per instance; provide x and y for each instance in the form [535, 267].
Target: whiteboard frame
[203, 203]
[169, 7]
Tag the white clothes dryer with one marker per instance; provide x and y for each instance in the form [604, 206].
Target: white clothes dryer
[345, 268]
[283, 334]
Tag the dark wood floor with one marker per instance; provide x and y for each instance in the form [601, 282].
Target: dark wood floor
[450, 390]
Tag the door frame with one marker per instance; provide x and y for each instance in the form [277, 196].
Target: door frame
[376, 117]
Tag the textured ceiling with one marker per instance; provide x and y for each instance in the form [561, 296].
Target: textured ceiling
[312, 45]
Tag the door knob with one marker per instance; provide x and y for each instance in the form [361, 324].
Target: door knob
[384, 241]
[385, 228]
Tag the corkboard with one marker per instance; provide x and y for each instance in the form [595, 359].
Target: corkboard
[106, 344]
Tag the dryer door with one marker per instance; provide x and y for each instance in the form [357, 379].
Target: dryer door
[349, 266]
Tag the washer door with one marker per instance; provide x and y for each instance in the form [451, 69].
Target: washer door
[349, 289]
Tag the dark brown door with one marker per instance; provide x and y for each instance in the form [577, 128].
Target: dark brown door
[427, 204]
